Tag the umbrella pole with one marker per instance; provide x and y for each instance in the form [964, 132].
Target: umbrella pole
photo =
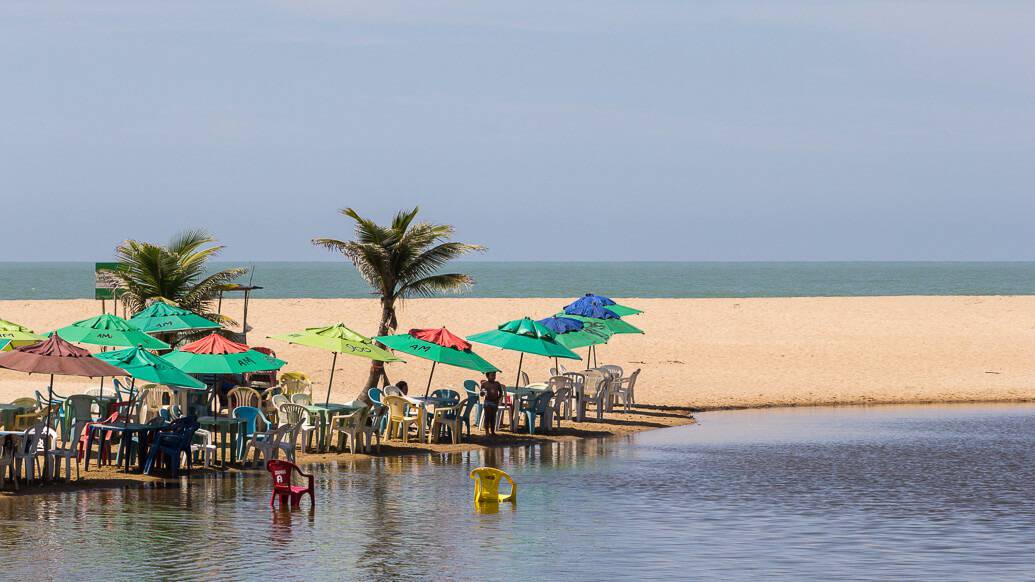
[430, 376]
[334, 362]
[521, 362]
[46, 431]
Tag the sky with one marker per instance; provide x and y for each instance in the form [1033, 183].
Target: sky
[596, 130]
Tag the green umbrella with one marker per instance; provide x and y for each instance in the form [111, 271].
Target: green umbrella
[109, 330]
[18, 335]
[622, 310]
[161, 317]
[338, 339]
[142, 364]
[616, 326]
[439, 346]
[526, 336]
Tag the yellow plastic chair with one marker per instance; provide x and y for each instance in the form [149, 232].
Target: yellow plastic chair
[487, 486]
[398, 419]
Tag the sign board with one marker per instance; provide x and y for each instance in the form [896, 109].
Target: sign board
[105, 284]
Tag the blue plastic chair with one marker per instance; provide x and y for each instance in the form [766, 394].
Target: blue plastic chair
[465, 414]
[375, 394]
[251, 415]
[446, 393]
[536, 409]
[474, 389]
[172, 442]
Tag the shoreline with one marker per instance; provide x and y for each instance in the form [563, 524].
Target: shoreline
[614, 425]
[107, 477]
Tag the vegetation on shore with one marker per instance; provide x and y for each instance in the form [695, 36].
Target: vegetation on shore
[174, 272]
[401, 260]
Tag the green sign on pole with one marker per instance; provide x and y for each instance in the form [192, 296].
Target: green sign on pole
[105, 284]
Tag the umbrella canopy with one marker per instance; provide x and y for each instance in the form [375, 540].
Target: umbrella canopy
[109, 330]
[17, 335]
[160, 317]
[143, 365]
[593, 299]
[338, 339]
[57, 357]
[440, 346]
[527, 336]
[214, 354]
[572, 333]
[607, 318]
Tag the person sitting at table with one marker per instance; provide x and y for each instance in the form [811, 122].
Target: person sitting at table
[492, 392]
[403, 387]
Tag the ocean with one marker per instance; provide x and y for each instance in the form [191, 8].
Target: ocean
[55, 280]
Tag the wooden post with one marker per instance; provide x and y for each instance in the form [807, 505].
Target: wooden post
[244, 323]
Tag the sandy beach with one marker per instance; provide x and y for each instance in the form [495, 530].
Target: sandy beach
[698, 353]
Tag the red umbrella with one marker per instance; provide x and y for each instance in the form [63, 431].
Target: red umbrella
[56, 356]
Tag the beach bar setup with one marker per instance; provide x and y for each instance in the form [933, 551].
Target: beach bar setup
[183, 394]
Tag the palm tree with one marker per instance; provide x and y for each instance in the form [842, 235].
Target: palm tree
[401, 260]
[174, 273]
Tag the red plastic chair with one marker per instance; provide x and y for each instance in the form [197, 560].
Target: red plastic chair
[281, 473]
[103, 443]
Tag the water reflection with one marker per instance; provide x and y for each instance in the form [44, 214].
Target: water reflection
[833, 492]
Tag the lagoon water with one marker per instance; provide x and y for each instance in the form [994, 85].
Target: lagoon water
[939, 492]
[621, 279]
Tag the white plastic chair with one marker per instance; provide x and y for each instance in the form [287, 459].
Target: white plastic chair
[290, 441]
[349, 427]
[622, 388]
[302, 399]
[205, 446]
[595, 393]
[293, 413]
[28, 451]
[69, 451]
[12, 443]
[446, 417]
[266, 444]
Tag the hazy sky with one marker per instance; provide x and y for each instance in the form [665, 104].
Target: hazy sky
[557, 130]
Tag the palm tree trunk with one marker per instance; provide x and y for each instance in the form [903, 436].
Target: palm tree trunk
[387, 326]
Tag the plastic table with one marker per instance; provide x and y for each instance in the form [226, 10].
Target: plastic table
[228, 436]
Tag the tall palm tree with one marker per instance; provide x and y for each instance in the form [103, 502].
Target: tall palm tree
[401, 260]
[174, 273]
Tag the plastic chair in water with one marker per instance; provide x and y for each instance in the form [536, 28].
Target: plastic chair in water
[282, 471]
[487, 486]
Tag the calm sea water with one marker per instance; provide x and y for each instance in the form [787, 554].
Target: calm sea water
[935, 493]
[542, 279]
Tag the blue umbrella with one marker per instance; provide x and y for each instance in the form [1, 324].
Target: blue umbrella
[590, 310]
[560, 325]
[594, 299]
